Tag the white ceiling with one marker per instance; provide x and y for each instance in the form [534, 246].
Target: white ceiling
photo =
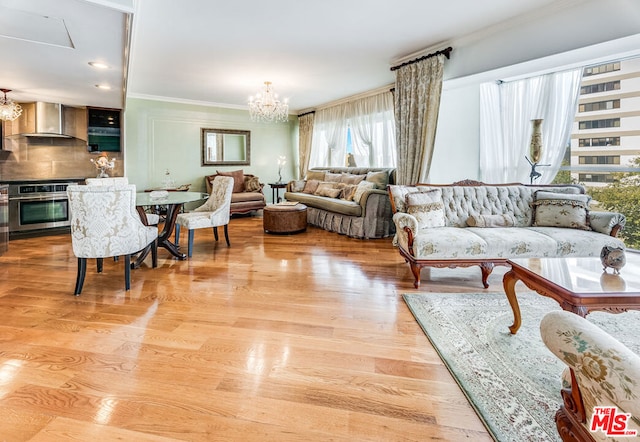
[221, 52]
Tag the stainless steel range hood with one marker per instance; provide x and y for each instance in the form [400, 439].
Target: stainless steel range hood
[42, 120]
[47, 120]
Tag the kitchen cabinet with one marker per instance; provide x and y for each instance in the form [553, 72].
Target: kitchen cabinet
[103, 133]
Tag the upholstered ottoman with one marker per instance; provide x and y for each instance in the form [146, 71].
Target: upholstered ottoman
[280, 218]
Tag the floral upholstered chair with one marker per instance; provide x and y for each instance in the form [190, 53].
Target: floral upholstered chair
[602, 375]
[152, 218]
[213, 213]
[105, 223]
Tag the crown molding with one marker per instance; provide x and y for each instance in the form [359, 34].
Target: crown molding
[187, 101]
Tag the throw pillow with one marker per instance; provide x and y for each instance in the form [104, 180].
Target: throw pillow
[561, 210]
[427, 207]
[349, 178]
[361, 188]
[380, 179]
[315, 175]
[327, 189]
[506, 220]
[310, 186]
[238, 179]
[332, 177]
[251, 184]
[298, 185]
[348, 192]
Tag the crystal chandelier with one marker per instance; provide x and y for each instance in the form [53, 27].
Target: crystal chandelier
[265, 106]
[9, 110]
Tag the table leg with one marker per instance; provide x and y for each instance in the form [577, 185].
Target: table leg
[509, 283]
[164, 237]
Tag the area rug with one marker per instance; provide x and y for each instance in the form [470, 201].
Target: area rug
[512, 381]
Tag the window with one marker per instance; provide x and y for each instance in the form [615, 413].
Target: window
[599, 105]
[601, 69]
[610, 170]
[600, 87]
[595, 142]
[600, 159]
[596, 178]
[600, 124]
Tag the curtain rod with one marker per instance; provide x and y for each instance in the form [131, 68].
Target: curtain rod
[446, 52]
[306, 113]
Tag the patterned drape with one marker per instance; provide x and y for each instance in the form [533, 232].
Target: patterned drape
[305, 123]
[417, 102]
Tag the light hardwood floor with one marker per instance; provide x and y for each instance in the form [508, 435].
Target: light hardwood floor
[279, 337]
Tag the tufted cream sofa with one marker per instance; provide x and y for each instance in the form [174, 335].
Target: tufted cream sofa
[509, 229]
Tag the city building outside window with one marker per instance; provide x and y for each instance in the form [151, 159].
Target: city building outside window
[604, 152]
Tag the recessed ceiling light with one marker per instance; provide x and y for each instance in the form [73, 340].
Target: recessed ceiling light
[99, 65]
[103, 86]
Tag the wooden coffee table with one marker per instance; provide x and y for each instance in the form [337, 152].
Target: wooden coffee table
[579, 285]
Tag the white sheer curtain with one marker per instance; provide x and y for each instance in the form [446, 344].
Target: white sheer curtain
[329, 141]
[506, 111]
[373, 130]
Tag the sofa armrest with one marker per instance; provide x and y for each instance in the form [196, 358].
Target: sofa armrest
[606, 371]
[609, 223]
[406, 230]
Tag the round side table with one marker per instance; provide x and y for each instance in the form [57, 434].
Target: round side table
[275, 191]
[280, 218]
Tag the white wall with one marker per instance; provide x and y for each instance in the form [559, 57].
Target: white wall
[162, 135]
[574, 33]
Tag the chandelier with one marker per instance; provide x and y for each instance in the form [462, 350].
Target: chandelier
[265, 106]
[9, 110]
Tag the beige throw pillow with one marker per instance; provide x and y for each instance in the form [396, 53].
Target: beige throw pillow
[251, 184]
[298, 185]
[311, 186]
[380, 179]
[315, 175]
[506, 220]
[361, 188]
[327, 189]
[349, 191]
[561, 210]
[427, 207]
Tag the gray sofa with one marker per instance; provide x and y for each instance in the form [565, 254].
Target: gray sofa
[328, 193]
[471, 223]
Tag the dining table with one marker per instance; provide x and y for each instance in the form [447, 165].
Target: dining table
[173, 202]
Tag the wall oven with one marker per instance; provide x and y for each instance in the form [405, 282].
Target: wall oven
[36, 206]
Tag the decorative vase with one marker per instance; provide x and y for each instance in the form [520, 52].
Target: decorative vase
[535, 148]
[103, 173]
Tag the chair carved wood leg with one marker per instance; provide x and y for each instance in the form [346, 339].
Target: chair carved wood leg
[215, 233]
[226, 234]
[99, 263]
[82, 270]
[190, 247]
[154, 254]
[127, 272]
[177, 235]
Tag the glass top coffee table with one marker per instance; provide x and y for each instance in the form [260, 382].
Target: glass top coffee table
[579, 285]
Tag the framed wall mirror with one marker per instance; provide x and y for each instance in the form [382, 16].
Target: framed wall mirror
[225, 147]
